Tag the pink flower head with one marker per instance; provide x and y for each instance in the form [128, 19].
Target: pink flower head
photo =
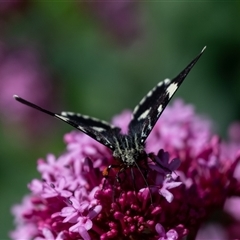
[119, 18]
[161, 199]
[21, 72]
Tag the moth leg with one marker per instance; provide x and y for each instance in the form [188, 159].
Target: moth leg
[121, 171]
[145, 168]
[144, 173]
[106, 172]
[133, 180]
[118, 179]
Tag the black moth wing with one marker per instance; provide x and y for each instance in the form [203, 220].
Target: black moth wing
[101, 131]
[148, 111]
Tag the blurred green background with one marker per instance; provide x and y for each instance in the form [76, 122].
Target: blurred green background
[101, 58]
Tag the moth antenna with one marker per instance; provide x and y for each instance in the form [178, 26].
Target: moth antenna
[133, 179]
[25, 102]
[145, 180]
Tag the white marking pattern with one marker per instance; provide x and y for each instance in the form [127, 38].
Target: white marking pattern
[172, 89]
[144, 114]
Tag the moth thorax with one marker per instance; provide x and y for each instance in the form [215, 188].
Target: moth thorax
[129, 156]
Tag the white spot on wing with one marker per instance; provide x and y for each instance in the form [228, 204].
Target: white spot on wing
[172, 89]
[160, 108]
[72, 114]
[68, 114]
[166, 81]
[144, 114]
[143, 100]
[81, 129]
[149, 94]
[98, 129]
[203, 49]
[66, 119]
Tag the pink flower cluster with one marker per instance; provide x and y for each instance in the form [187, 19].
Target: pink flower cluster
[121, 19]
[74, 201]
[22, 71]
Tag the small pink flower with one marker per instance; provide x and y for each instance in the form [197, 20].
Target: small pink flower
[170, 235]
[168, 184]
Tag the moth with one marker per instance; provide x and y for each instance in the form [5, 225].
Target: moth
[128, 149]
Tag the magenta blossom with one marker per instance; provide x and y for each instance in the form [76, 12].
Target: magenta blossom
[22, 71]
[121, 19]
[163, 199]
